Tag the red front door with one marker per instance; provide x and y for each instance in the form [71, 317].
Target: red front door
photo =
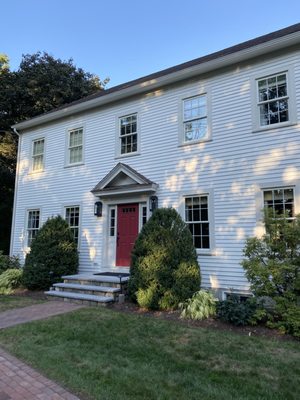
[127, 231]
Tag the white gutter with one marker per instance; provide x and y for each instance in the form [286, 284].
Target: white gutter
[152, 84]
[12, 234]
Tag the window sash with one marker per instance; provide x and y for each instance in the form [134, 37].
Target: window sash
[72, 216]
[33, 225]
[128, 136]
[75, 146]
[280, 200]
[197, 219]
[195, 124]
[38, 154]
[273, 99]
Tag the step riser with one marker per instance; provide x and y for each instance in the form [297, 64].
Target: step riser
[81, 302]
[82, 291]
[95, 283]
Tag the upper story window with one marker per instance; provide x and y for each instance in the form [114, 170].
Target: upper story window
[128, 135]
[280, 201]
[273, 99]
[75, 146]
[33, 225]
[195, 126]
[72, 218]
[197, 219]
[38, 147]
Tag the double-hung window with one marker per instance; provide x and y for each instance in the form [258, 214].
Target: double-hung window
[33, 225]
[128, 134]
[72, 215]
[195, 126]
[197, 219]
[75, 146]
[38, 147]
[273, 99]
[280, 201]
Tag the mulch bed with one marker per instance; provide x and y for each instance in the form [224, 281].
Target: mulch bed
[210, 323]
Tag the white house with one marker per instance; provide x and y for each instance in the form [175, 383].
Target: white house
[217, 138]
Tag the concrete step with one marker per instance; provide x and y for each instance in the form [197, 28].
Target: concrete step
[96, 280]
[79, 298]
[87, 289]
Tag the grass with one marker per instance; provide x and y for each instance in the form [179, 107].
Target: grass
[103, 354]
[12, 301]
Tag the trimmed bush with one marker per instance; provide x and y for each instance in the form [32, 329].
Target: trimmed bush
[7, 262]
[237, 312]
[202, 305]
[53, 254]
[164, 269]
[10, 279]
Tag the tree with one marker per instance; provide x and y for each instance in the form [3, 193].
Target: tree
[164, 269]
[41, 84]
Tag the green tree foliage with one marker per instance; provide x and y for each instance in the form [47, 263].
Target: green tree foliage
[272, 266]
[41, 84]
[53, 254]
[164, 269]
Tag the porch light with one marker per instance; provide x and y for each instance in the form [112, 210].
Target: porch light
[98, 209]
[153, 203]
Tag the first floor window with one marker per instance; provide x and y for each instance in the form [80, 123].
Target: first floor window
[280, 201]
[196, 217]
[273, 99]
[33, 225]
[38, 155]
[112, 222]
[75, 146]
[195, 119]
[128, 134]
[72, 218]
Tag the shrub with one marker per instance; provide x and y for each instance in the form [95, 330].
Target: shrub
[202, 305]
[7, 262]
[272, 266]
[237, 312]
[53, 254]
[164, 269]
[10, 279]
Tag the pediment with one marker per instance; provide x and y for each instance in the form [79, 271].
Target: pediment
[123, 179]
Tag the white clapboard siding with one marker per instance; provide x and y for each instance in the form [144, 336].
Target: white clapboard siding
[232, 164]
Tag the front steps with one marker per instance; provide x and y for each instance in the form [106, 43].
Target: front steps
[88, 289]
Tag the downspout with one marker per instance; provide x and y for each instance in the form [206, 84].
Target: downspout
[15, 193]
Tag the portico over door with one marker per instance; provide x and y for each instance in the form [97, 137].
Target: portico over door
[127, 232]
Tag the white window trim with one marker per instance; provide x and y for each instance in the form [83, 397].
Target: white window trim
[181, 209]
[70, 205]
[118, 154]
[67, 157]
[26, 247]
[259, 199]
[32, 171]
[141, 205]
[290, 74]
[187, 96]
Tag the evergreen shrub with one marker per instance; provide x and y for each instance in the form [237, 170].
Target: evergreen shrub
[7, 262]
[164, 268]
[53, 254]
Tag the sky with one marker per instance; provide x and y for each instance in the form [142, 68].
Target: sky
[124, 40]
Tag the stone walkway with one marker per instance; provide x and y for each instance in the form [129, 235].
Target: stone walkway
[18, 381]
[18, 316]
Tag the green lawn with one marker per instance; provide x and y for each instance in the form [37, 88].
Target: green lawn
[104, 354]
[9, 302]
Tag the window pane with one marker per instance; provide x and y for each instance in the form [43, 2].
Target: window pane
[196, 211]
[280, 201]
[72, 218]
[195, 130]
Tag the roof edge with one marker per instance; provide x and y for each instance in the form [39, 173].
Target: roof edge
[252, 48]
